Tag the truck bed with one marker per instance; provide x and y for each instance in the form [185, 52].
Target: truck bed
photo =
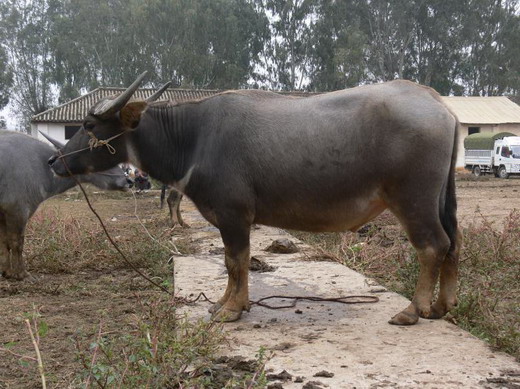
[478, 157]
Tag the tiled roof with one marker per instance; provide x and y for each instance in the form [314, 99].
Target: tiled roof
[74, 111]
[469, 110]
[484, 110]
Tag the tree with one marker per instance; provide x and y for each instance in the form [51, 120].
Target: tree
[492, 30]
[287, 53]
[23, 28]
[6, 78]
[203, 43]
[338, 47]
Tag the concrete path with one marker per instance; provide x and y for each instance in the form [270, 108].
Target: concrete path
[354, 342]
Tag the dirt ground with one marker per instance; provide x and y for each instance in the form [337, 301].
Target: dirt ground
[353, 343]
[493, 198]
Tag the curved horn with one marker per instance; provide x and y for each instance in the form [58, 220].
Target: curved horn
[56, 143]
[158, 94]
[109, 107]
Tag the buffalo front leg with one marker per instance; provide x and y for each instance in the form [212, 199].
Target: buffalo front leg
[15, 267]
[4, 247]
[236, 297]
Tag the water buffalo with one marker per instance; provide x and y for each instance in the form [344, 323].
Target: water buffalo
[330, 162]
[25, 181]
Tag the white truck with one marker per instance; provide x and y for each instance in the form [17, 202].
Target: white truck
[497, 153]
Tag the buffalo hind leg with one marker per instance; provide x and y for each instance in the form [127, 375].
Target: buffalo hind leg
[174, 204]
[448, 281]
[236, 297]
[431, 242]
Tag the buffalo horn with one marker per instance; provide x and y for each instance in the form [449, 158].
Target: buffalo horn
[158, 94]
[109, 107]
[56, 143]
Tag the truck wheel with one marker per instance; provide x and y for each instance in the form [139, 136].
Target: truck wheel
[502, 172]
[476, 171]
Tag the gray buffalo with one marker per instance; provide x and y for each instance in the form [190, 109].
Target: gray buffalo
[330, 162]
[26, 181]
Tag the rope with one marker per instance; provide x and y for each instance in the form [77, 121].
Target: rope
[353, 299]
[93, 143]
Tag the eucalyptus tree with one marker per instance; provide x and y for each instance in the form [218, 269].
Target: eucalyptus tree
[339, 47]
[202, 43]
[492, 30]
[288, 51]
[24, 25]
[6, 78]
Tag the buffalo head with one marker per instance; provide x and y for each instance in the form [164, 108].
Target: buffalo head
[101, 141]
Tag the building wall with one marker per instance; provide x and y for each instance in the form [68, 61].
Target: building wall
[463, 133]
[54, 130]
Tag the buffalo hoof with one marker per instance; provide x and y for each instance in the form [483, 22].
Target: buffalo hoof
[18, 276]
[215, 308]
[438, 310]
[404, 318]
[226, 315]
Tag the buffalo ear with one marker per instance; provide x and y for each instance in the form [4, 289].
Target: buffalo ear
[130, 114]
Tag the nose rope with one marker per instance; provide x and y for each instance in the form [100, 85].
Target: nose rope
[94, 142]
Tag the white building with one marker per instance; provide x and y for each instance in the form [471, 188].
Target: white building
[483, 114]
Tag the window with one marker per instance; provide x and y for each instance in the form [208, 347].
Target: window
[498, 150]
[505, 152]
[473, 130]
[70, 131]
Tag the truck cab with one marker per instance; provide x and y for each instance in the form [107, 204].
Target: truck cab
[506, 160]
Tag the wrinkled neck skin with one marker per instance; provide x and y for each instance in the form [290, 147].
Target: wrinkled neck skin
[163, 143]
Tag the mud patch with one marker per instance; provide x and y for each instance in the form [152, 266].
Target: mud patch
[260, 265]
[282, 246]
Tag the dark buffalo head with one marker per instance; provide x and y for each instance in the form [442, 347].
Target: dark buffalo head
[111, 179]
[100, 143]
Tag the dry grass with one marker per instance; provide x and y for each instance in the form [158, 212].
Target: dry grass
[489, 288]
[105, 327]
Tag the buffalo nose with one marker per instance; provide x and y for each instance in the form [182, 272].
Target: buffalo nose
[52, 160]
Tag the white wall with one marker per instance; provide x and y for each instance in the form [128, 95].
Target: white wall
[54, 130]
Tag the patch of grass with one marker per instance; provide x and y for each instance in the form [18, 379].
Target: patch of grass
[489, 287]
[59, 243]
[158, 348]
[162, 349]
